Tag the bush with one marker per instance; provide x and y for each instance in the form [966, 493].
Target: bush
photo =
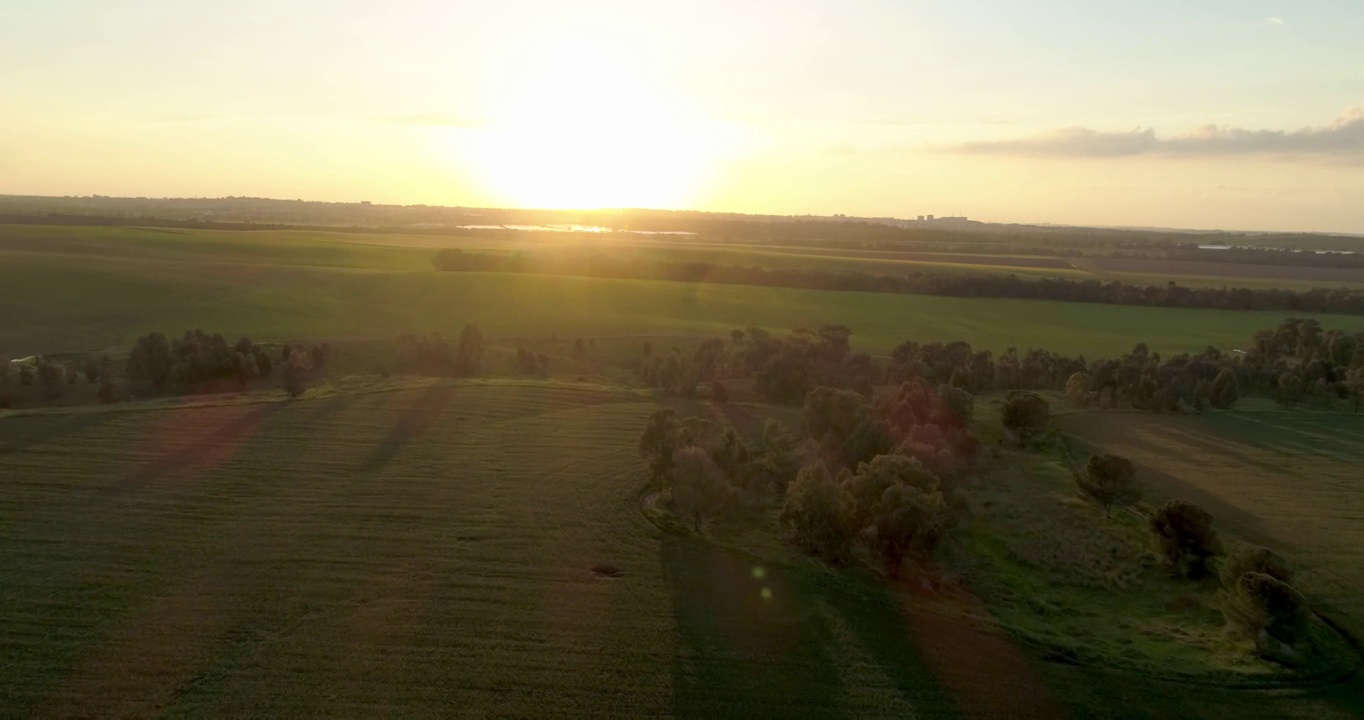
[1185, 539]
[1271, 612]
[1111, 479]
[1251, 558]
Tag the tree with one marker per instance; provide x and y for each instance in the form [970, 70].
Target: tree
[718, 392]
[578, 346]
[1025, 414]
[1354, 382]
[1185, 539]
[150, 361]
[657, 444]
[295, 372]
[50, 378]
[955, 407]
[1077, 390]
[91, 370]
[6, 382]
[469, 354]
[1224, 391]
[897, 508]
[699, 489]
[648, 348]
[907, 520]
[815, 515]
[1112, 480]
[1290, 389]
[108, 389]
[264, 366]
[72, 375]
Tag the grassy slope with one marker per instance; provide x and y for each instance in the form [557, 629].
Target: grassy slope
[83, 288]
[405, 552]
[1290, 480]
[362, 555]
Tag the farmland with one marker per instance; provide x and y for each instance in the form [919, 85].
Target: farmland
[440, 550]
[1290, 480]
[419, 545]
[80, 289]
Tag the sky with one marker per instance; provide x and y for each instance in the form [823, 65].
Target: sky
[1207, 114]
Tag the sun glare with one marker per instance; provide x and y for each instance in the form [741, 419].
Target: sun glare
[581, 129]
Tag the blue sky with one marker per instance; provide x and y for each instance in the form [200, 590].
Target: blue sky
[1093, 112]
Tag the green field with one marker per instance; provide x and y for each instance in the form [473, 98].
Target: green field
[81, 289]
[1286, 480]
[434, 551]
[410, 546]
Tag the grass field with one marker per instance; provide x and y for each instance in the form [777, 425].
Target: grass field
[79, 289]
[1291, 481]
[435, 551]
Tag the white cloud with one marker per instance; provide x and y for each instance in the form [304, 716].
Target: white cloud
[1272, 22]
[1343, 138]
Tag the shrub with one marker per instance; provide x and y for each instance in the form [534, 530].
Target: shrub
[1185, 539]
[1251, 558]
[91, 370]
[1269, 610]
[1111, 479]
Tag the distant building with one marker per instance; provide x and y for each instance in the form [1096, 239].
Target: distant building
[928, 217]
[921, 218]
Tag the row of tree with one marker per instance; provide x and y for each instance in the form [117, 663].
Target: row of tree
[1315, 300]
[1295, 362]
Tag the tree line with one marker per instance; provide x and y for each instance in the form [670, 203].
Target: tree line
[1316, 300]
[1296, 362]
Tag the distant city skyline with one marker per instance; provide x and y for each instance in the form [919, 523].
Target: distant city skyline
[1212, 115]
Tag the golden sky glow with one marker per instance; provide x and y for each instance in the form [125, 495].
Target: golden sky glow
[1014, 112]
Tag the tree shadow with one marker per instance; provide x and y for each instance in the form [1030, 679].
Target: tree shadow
[877, 620]
[744, 653]
[20, 433]
[415, 421]
[206, 451]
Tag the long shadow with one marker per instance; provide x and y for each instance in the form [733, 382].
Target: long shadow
[208, 450]
[878, 622]
[18, 434]
[414, 423]
[742, 655]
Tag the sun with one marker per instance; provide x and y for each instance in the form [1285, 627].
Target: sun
[578, 128]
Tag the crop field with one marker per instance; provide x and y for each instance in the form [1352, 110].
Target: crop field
[1287, 480]
[1223, 273]
[459, 548]
[83, 289]
[403, 552]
